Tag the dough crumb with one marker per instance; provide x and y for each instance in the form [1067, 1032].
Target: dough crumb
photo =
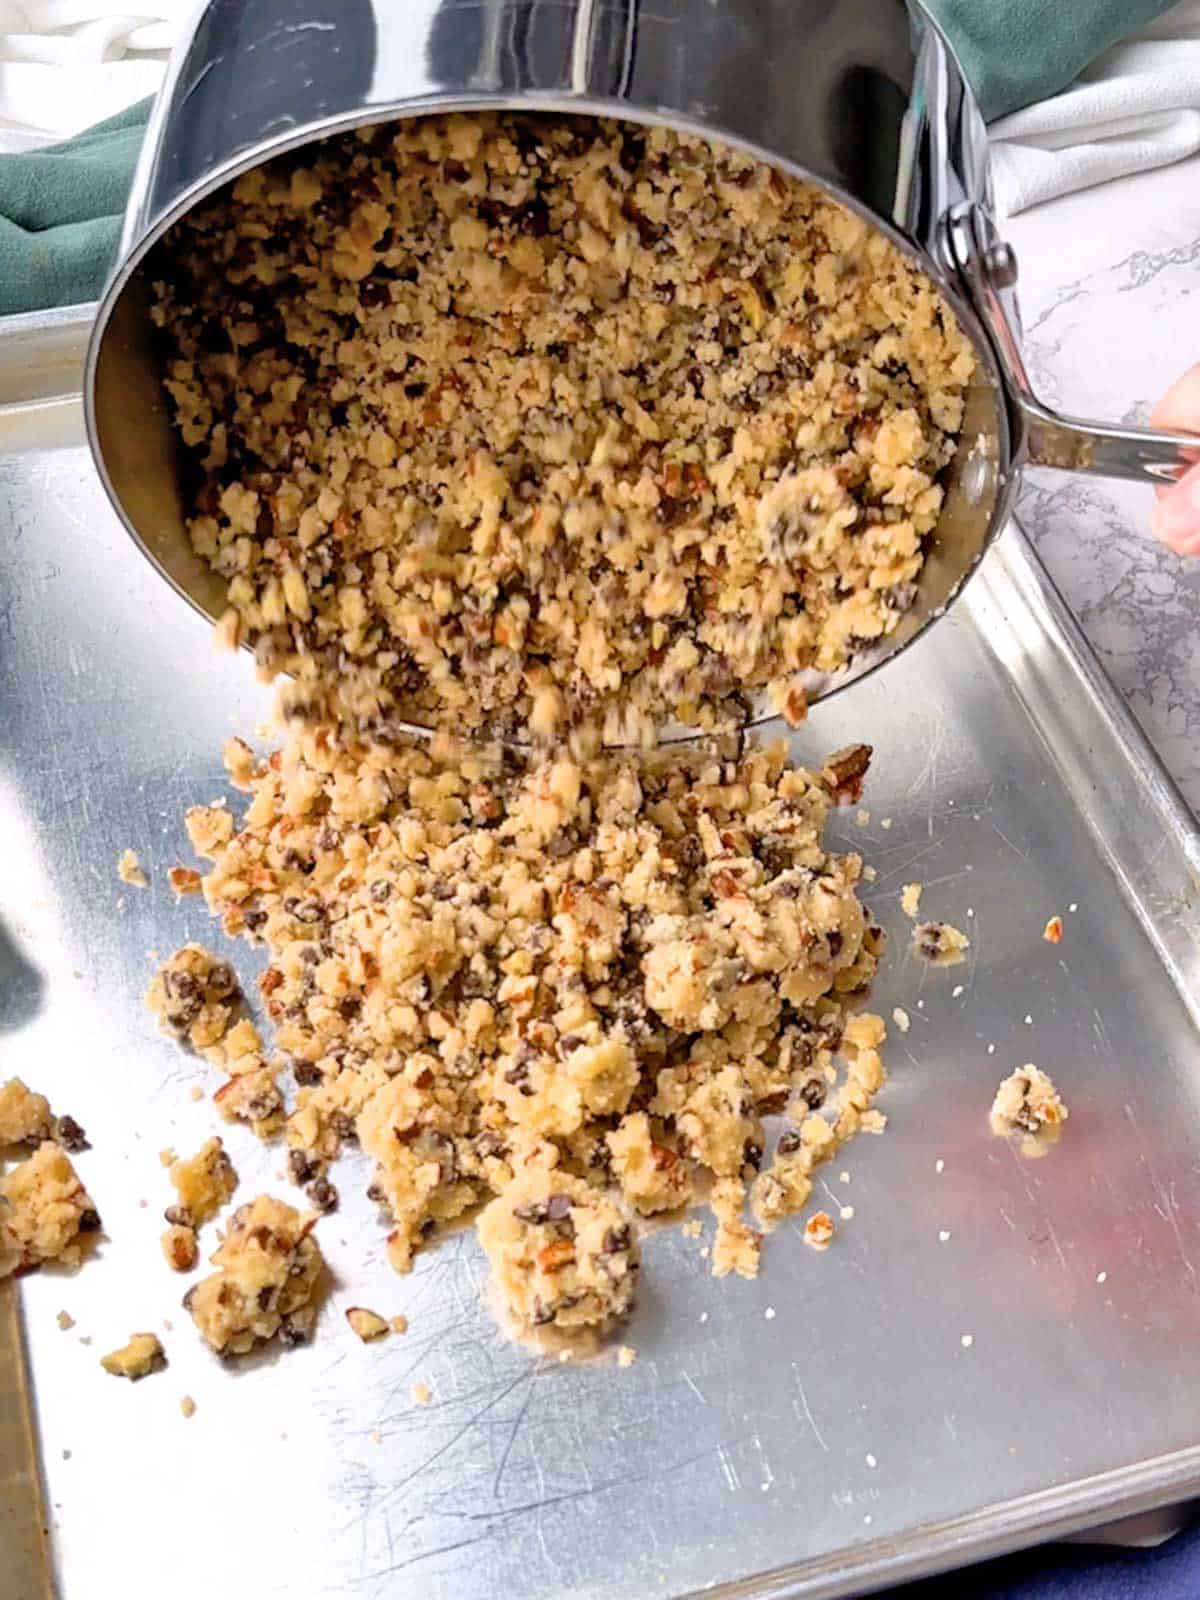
[910, 899]
[400, 1323]
[422, 1394]
[560, 1252]
[180, 1247]
[188, 1406]
[940, 944]
[692, 1229]
[65, 1320]
[1027, 1103]
[203, 1183]
[1053, 931]
[967, 1340]
[269, 1274]
[901, 1018]
[184, 881]
[366, 1324]
[626, 1355]
[45, 1212]
[819, 1230]
[26, 1119]
[129, 870]
[142, 1355]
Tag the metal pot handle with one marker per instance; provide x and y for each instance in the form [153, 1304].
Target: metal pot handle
[988, 268]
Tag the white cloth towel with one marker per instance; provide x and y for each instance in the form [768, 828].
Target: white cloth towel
[1136, 107]
[65, 64]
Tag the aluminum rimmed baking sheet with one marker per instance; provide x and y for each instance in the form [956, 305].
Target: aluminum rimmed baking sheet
[993, 1350]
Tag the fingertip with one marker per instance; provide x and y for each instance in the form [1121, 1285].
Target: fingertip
[1174, 522]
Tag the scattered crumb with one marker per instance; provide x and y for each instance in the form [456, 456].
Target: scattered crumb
[1028, 1020]
[843, 1177]
[184, 881]
[129, 870]
[704, 1316]
[375, 1436]
[956, 991]
[871, 1461]
[944, 1235]
[886, 823]
[45, 1212]
[367, 1325]
[846, 1213]
[141, 1356]
[85, 1338]
[941, 944]
[862, 817]
[1053, 931]
[180, 1247]
[869, 873]
[1073, 906]
[769, 1313]
[939, 1165]
[1102, 1277]
[422, 1394]
[167, 1157]
[626, 1355]
[188, 1406]
[901, 1018]
[910, 899]
[203, 1184]
[400, 1323]
[267, 1282]
[967, 1340]
[196, 1092]
[970, 911]
[991, 1050]
[692, 1229]
[65, 1320]
[1027, 1103]
[873, 1121]
[819, 1230]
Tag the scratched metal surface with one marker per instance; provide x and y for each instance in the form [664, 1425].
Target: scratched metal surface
[847, 1439]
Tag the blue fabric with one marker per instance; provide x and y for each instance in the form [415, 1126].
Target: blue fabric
[1072, 1572]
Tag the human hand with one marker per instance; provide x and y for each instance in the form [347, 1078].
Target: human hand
[1175, 516]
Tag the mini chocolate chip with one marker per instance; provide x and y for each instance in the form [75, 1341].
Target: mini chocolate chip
[322, 1194]
[70, 1135]
[89, 1222]
[558, 1207]
[813, 1094]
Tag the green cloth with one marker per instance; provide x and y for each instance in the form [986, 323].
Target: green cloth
[61, 208]
[1015, 52]
[60, 214]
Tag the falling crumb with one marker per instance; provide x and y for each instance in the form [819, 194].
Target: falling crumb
[956, 991]
[1028, 1020]
[1027, 1103]
[188, 1406]
[886, 823]
[1053, 931]
[769, 1313]
[1102, 1277]
[901, 1018]
[871, 1461]
[368, 1325]
[422, 1394]
[967, 1340]
[400, 1323]
[129, 870]
[862, 818]
[910, 899]
[819, 1230]
[142, 1355]
[939, 1165]
[1073, 906]
[944, 1235]
[846, 1213]
[65, 1320]
[692, 1229]
[940, 943]
[626, 1355]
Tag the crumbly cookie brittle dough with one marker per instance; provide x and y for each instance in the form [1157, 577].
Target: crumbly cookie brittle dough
[267, 1280]
[26, 1119]
[45, 1212]
[143, 1355]
[484, 966]
[1029, 1106]
[561, 1252]
[518, 421]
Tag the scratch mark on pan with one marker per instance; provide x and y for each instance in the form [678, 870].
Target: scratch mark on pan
[811, 1419]
[727, 1467]
[1016, 849]
[691, 1383]
[509, 1442]
[1172, 1218]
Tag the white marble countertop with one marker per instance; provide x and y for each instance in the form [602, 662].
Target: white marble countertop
[1110, 297]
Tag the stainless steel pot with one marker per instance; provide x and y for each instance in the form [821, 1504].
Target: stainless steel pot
[861, 96]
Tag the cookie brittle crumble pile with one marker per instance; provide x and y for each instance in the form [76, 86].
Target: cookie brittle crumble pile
[521, 423]
[580, 988]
